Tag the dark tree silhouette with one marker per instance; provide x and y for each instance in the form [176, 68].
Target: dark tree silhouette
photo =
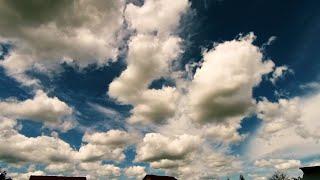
[241, 177]
[3, 175]
[279, 176]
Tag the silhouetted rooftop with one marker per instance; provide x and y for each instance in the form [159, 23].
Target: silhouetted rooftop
[56, 178]
[311, 173]
[154, 177]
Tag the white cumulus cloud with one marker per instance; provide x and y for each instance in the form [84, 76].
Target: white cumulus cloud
[135, 172]
[46, 33]
[49, 110]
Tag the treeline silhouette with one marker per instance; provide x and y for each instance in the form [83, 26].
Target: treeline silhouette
[3, 175]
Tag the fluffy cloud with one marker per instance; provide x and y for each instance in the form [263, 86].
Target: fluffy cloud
[165, 164]
[297, 140]
[92, 152]
[149, 58]
[156, 106]
[96, 170]
[49, 110]
[225, 133]
[26, 176]
[156, 15]
[150, 54]
[220, 94]
[222, 87]
[279, 164]
[21, 149]
[278, 115]
[105, 145]
[185, 156]
[60, 33]
[156, 147]
[136, 172]
[206, 163]
[60, 167]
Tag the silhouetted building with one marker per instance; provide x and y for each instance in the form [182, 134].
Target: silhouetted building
[56, 178]
[154, 177]
[311, 173]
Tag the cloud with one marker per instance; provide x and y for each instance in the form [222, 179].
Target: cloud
[224, 133]
[196, 120]
[51, 111]
[222, 87]
[21, 149]
[279, 164]
[110, 138]
[136, 172]
[111, 113]
[279, 72]
[149, 58]
[278, 115]
[156, 15]
[59, 33]
[311, 85]
[156, 106]
[60, 167]
[92, 153]
[220, 94]
[26, 176]
[151, 52]
[205, 163]
[257, 177]
[96, 169]
[297, 140]
[165, 164]
[185, 156]
[156, 147]
[105, 145]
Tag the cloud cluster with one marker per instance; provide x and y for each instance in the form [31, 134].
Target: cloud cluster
[279, 164]
[196, 119]
[292, 123]
[150, 53]
[160, 16]
[104, 145]
[100, 170]
[222, 87]
[46, 33]
[278, 115]
[156, 147]
[26, 176]
[87, 161]
[197, 112]
[21, 149]
[51, 111]
[148, 58]
[135, 172]
[224, 133]
[185, 156]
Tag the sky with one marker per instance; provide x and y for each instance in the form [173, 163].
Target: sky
[198, 89]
